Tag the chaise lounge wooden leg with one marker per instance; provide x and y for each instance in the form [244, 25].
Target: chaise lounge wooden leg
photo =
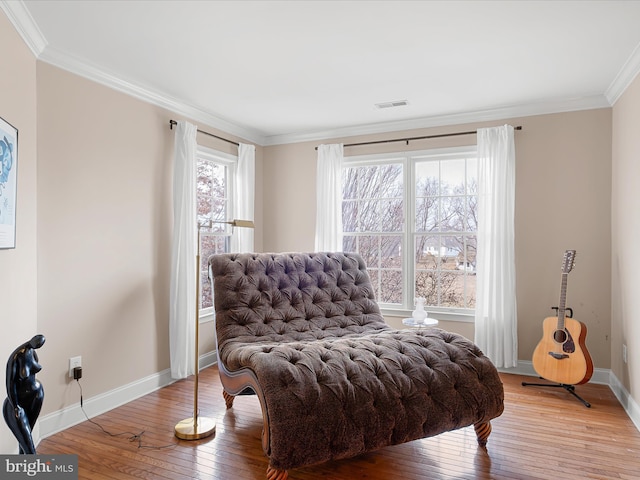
[275, 474]
[483, 430]
[228, 399]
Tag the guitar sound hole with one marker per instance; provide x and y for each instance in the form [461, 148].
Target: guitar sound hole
[560, 336]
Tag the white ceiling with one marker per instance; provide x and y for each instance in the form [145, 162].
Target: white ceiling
[283, 71]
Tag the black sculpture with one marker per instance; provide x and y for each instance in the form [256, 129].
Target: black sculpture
[24, 393]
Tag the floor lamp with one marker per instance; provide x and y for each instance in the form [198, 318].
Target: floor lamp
[197, 427]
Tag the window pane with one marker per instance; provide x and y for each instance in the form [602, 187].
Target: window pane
[471, 219]
[368, 248]
[428, 252]
[349, 183]
[427, 286]
[391, 251]
[427, 179]
[471, 247]
[452, 177]
[391, 181]
[210, 245]
[427, 199]
[375, 281]
[451, 289]
[349, 244]
[391, 286]
[426, 214]
[445, 270]
[392, 215]
[204, 186]
[369, 215]
[453, 214]
[367, 182]
[349, 216]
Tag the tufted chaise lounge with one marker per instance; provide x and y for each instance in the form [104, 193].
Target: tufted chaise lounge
[304, 333]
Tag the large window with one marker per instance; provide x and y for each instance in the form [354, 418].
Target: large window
[214, 191]
[420, 202]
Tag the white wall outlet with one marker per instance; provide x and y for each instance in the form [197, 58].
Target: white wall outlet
[73, 363]
[624, 353]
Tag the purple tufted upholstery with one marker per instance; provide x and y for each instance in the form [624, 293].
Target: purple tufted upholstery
[335, 380]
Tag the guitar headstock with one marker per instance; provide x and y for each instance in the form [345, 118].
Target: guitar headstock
[568, 261]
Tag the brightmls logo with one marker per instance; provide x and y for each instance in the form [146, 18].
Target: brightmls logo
[50, 467]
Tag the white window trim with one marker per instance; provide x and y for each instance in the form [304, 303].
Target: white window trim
[231, 162]
[408, 160]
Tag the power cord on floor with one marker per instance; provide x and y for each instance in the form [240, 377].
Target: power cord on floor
[133, 437]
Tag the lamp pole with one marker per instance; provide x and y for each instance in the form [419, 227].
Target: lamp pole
[196, 427]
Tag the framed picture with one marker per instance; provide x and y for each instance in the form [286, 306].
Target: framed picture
[8, 183]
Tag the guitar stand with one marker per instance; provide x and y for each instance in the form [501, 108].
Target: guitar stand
[569, 388]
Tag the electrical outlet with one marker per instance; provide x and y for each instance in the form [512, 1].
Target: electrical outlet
[624, 353]
[73, 363]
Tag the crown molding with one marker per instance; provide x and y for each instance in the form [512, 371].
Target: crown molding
[26, 26]
[100, 75]
[502, 113]
[625, 76]
[24, 23]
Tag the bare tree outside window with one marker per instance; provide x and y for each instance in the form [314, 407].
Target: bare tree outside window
[373, 224]
[212, 203]
[443, 234]
[445, 239]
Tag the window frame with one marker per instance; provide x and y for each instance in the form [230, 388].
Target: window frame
[408, 160]
[231, 163]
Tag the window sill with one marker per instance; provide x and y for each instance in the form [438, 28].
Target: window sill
[438, 315]
[206, 315]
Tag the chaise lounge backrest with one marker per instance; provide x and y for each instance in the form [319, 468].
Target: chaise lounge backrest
[292, 297]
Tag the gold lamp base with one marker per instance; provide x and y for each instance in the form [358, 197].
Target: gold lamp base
[187, 429]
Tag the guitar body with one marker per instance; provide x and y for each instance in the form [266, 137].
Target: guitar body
[568, 362]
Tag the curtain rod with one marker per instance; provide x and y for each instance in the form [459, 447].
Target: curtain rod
[441, 135]
[173, 122]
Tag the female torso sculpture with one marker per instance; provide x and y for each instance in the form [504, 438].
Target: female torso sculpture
[24, 393]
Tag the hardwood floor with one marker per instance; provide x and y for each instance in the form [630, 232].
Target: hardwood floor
[543, 433]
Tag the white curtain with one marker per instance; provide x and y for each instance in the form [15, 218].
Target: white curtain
[496, 319]
[244, 194]
[329, 198]
[182, 309]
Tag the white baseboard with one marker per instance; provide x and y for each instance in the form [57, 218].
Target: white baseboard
[600, 375]
[67, 417]
[624, 397]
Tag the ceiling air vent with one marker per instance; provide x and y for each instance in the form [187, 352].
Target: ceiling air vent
[397, 103]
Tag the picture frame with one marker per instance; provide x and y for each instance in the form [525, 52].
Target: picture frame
[8, 183]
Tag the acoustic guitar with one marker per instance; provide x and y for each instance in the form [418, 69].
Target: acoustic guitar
[561, 356]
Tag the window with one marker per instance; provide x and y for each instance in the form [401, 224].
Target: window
[419, 202]
[215, 179]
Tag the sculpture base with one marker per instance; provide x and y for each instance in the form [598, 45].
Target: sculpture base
[188, 430]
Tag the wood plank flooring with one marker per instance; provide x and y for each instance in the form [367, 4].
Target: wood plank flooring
[544, 433]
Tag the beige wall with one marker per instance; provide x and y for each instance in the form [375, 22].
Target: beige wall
[563, 190]
[625, 227]
[104, 233]
[18, 275]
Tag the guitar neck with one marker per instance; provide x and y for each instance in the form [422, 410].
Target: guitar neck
[562, 303]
